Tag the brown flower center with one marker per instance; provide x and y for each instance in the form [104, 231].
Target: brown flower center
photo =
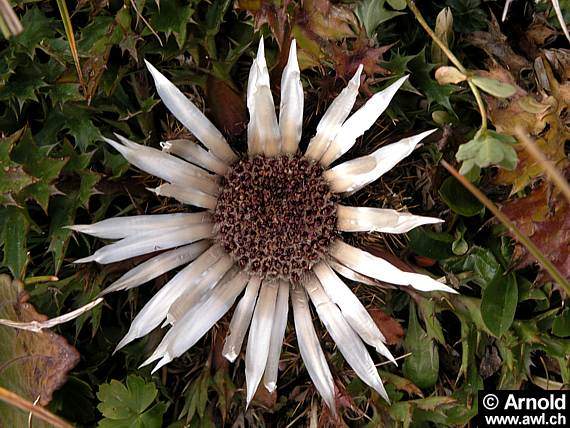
[276, 216]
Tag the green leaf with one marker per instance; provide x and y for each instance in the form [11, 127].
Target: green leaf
[397, 4]
[22, 86]
[172, 18]
[485, 149]
[14, 232]
[38, 164]
[372, 13]
[197, 395]
[494, 87]
[481, 262]
[561, 324]
[499, 303]
[62, 213]
[459, 199]
[38, 28]
[468, 15]
[422, 79]
[427, 243]
[63, 92]
[13, 178]
[429, 314]
[124, 406]
[422, 367]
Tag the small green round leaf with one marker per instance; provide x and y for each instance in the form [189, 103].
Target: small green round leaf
[494, 87]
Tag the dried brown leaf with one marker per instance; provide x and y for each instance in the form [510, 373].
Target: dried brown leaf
[496, 45]
[542, 119]
[390, 328]
[544, 218]
[227, 106]
[33, 365]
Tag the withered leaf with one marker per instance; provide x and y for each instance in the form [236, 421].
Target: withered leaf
[33, 365]
[495, 44]
[390, 328]
[228, 107]
[544, 218]
[542, 119]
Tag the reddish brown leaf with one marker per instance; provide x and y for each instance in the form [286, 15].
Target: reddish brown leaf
[390, 328]
[544, 218]
[227, 106]
[265, 398]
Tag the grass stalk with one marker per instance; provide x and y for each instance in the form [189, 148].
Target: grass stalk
[551, 171]
[520, 236]
[62, 5]
[38, 411]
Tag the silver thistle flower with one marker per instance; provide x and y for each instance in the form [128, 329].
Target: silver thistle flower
[270, 227]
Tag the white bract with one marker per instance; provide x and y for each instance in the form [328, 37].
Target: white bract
[209, 281]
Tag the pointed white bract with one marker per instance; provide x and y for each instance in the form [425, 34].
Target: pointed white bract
[310, 349]
[348, 342]
[195, 154]
[155, 311]
[350, 274]
[352, 310]
[186, 195]
[341, 178]
[159, 164]
[277, 335]
[190, 116]
[263, 135]
[560, 16]
[121, 227]
[191, 296]
[254, 145]
[195, 323]
[331, 122]
[375, 267]
[348, 177]
[149, 242]
[364, 219]
[291, 105]
[158, 265]
[360, 122]
[259, 337]
[241, 320]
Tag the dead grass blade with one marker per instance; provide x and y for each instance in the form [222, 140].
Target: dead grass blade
[9, 23]
[70, 37]
[38, 326]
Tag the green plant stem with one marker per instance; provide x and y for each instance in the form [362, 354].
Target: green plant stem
[480, 104]
[39, 279]
[419, 17]
[521, 237]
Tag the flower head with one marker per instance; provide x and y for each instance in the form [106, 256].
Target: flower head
[269, 231]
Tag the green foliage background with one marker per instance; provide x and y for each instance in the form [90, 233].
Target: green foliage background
[505, 331]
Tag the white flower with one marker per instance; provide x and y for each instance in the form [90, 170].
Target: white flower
[270, 231]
